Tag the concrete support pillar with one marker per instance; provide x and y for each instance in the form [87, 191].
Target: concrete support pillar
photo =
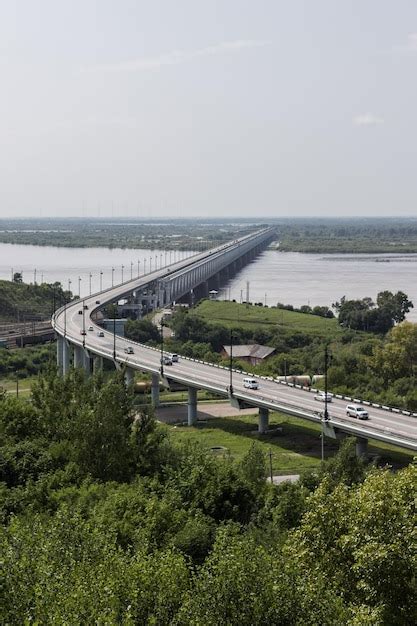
[97, 363]
[192, 406]
[361, 446]
[129, 376]
[263, 421]
[60, 353]
[86, 363]
[155, 389]
[78, 356]
[65, 358]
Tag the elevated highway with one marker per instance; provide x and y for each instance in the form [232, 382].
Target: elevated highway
[87, 351]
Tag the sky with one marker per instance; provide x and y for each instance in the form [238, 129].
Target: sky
[208, 108]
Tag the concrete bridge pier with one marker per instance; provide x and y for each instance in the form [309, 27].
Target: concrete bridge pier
[78, 356]
[97, 363]
[263, 422]
[155, 390]
[192, 406]
[60, 353]
[129, 376]
[361, 446]
[65, 357]
[86, 363]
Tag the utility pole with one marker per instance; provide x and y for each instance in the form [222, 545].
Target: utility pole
[231, 363]
[17, 384]
[247, 294]
[162, 348]
[325, 417]
[114, 332]
[83, 324]
[270, 465]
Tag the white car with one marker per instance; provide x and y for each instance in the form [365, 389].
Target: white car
[353, 410]
[129, 350]
[322, 397]
[90, 328]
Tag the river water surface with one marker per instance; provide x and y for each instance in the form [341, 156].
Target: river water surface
[287, 277]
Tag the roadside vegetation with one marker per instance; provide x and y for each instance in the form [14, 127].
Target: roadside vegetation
[106, 518]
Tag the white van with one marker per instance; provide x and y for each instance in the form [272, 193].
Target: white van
[250, 383]
[175, 358]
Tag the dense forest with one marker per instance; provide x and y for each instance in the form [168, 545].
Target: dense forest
[105, 520]
[20, 301]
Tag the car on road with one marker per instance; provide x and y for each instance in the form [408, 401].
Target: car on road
[175, 358]
[85, 306]
[353, 410]
[83, 332]
[129, 350]
[97, 301]
[166, 360]
[250, 383]
[322, 397]
[80, 312]
[100, 333]
[90, 328]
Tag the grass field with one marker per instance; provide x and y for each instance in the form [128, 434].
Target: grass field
[295, 448]
[10, 386]
[233, 314]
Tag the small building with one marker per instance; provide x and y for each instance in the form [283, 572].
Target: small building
[252, 353]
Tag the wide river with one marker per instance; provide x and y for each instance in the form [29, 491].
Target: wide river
[287, 277]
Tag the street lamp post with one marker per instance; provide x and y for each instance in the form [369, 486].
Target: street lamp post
[101, 281]
[83, 324]
[79, 286]
[112, 276]
[231, 363]
[144, 266]
[138, 268]
[131, 270]
[34, 276]
[90, 276]
[162, 348]
[114, 332]
[325, 417]
[150, 265]
[122, 273]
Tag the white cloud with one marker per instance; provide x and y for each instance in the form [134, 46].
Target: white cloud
[178, 56]
[367, 119]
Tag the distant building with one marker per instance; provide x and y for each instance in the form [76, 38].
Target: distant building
[252, 353]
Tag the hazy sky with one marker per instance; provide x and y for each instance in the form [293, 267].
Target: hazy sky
[208, 107]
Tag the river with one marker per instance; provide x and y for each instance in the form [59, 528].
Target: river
[287, 277]
[321, 279]
[50, 264]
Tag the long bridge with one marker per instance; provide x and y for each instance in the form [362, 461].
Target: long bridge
[190, 278]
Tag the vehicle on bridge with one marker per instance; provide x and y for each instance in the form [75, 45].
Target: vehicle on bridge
[250, 383]
[129, 350]
[166, 360]
[353, 410]
[323, 397]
